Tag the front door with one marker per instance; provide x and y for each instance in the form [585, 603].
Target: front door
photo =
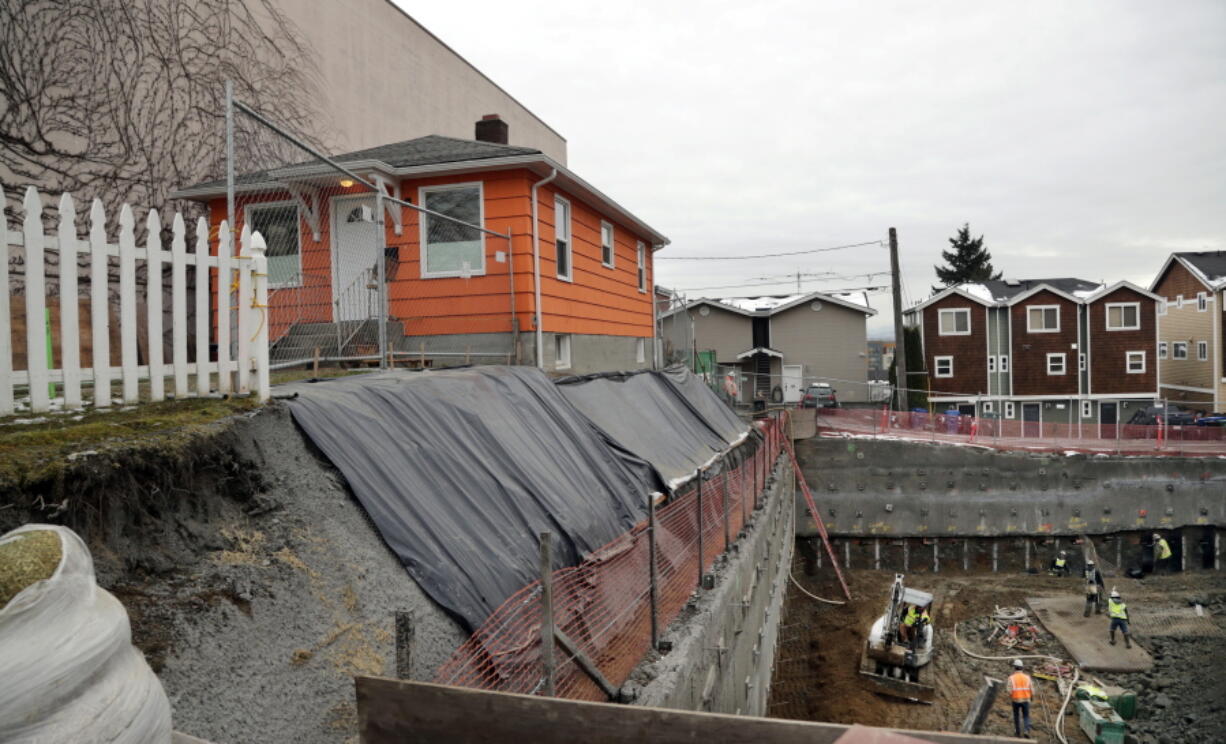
[792, 374]
[1108, 419]
[353, 258]
[1032, 419]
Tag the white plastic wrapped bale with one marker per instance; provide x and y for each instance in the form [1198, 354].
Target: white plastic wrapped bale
[68, 670]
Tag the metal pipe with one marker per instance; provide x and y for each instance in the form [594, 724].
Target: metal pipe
[651, 559]
[536, 269]
[547, 658]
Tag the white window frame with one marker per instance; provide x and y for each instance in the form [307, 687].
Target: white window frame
[641, 261]
[1130, 357]
[1107, 312]
[1031, 329]
[954, 311]
[1003, 366]
[991, 364]
[1202, 351]
[1051, 356]
[569, 276]
[1176, 346]
[1202, 302]
[612, 244]
[988, 406]
[1010, 409]
[1087, 408]
[249, 208]
[562, 351]
[1081, 362]
[640, 350]
[1179, 301]
[1162, 306]
[936, 366]
[423, 229]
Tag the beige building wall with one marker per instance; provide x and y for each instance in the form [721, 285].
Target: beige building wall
[385, 78]
[830, 343]
[727, 333]
[1186, 324]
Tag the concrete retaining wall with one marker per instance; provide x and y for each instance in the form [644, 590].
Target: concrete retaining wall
[868, 487]
[723, 645]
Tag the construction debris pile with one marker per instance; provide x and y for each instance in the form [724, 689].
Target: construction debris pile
[1012, 630]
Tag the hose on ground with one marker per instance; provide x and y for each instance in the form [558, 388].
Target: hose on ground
[1067, 696]
[960, 647]
[810, 594]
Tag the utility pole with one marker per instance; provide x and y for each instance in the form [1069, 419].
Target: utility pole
[900, 341]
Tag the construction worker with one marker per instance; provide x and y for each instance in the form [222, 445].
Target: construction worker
[1162, 554]
[912, 628]
[1021, 690]
[1094, 589]
[1118, 612]
[1059, 565]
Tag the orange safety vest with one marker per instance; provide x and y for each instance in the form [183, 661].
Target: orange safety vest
[1019, 686]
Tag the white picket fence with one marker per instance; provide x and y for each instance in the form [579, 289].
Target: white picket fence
[30, 388]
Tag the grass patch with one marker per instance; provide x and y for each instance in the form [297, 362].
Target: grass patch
[34, 452]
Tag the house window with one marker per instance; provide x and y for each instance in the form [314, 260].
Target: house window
[1123, 316]
[1081, 362]
[278, 223]
[640, 350]
[1010, 409]
[561, 228]
[956, 322]
[1202, 351]
[1162, 350]
[452, 247]
[1179, 301]
[991, 364]
[1087, 408]
[1162, 306]
[1202, 302]
[1179, 350]
[988, 407]
[1042, 318]
[641, 257]
[1004, 363]
[606, 244]
[1136, 362]
[944, 366]
[561, 351]
[1055, 364]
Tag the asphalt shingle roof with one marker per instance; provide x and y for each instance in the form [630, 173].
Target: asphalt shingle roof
[1003, 290]
[429, 150]
[1210, 263]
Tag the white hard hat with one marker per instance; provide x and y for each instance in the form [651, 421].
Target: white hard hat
[1157, 536]
[1089, 561]
[1017, 663]
[1115, 594]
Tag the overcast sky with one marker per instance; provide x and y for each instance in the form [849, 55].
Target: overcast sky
[1081, 139]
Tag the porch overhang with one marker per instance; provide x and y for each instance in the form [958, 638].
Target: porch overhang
[760, 350]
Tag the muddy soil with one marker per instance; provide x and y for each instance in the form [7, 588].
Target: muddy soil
[816, 674]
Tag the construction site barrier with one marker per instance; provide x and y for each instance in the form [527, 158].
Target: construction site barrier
[604, 618]
[1184, 439]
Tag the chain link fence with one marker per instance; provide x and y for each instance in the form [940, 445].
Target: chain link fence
[366, 268]
[613, 606]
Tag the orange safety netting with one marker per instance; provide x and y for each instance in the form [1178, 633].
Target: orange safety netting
[604, 604]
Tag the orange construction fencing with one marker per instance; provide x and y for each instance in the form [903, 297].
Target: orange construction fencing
[603, 606]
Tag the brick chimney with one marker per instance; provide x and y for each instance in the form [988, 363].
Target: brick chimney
[492, 128]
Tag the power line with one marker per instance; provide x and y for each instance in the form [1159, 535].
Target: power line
[767, 255]
[744, 285]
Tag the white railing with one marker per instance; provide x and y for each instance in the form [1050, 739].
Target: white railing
[31, 387]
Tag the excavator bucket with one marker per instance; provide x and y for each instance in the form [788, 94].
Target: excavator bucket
[894, 686]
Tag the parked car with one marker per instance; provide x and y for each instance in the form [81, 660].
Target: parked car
[1174, 416]
[1213, 419]
[819, 395]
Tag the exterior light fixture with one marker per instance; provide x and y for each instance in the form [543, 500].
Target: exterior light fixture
[346, 182]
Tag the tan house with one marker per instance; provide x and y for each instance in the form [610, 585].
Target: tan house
[1190, 348]
[776, 346]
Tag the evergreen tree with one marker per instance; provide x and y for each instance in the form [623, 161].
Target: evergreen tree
[966, 261]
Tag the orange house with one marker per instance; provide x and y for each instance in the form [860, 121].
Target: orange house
[560, 276]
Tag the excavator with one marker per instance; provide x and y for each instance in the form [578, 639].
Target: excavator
[890, 665]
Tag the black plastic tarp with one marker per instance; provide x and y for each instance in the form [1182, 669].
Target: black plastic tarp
[461, 470]
[658, 417]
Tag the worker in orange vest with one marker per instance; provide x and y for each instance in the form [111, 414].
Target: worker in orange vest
[1021, 689]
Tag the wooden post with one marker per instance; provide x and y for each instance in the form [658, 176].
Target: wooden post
[900, 340]
[547, 635]
[701, 554]
[315, 364]
[225, 276]
[651, 560]
[6, 348]
[178, 294]
[243, 308]
[257, 308]
[36, 303]
[201, 257]
[70, 324]
[724, 502]
[153, 304]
